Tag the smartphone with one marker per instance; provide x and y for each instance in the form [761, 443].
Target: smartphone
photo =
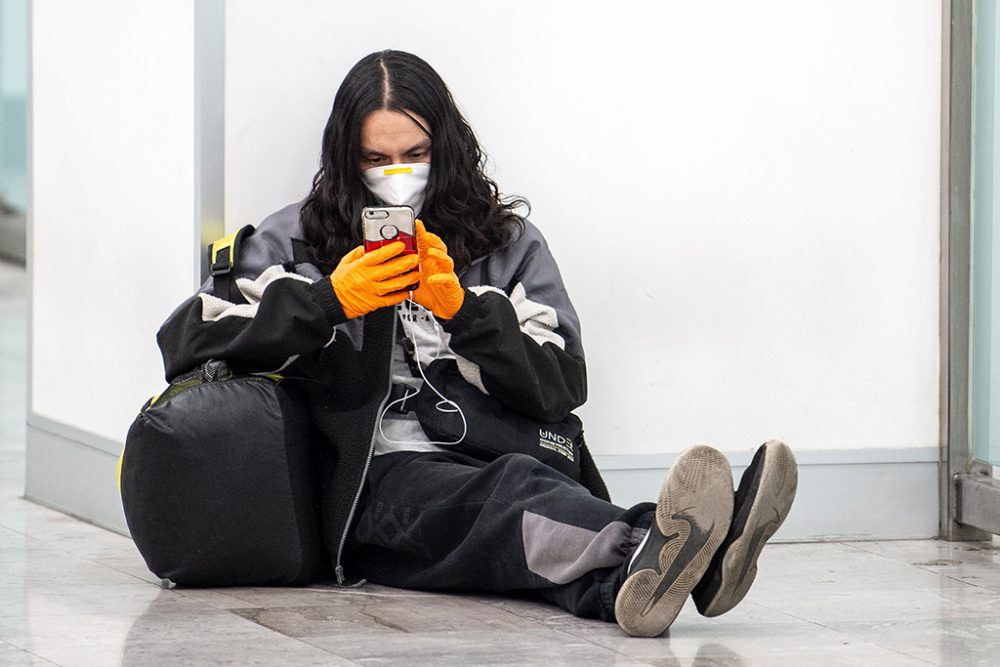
[382, 225]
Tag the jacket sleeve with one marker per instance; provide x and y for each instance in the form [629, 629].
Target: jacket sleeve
[522, 346]
[286, 315]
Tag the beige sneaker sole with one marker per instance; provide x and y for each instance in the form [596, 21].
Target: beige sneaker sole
[772, 500]
[693, 514]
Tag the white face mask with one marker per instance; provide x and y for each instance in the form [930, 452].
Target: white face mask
[399, 184]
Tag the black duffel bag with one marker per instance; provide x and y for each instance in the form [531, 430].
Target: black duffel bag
[219, 477]
[491, 429]
[219, 483]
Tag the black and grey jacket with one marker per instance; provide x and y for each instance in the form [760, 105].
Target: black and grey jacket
[516, 337]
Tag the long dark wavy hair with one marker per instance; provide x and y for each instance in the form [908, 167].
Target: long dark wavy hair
[462, 205]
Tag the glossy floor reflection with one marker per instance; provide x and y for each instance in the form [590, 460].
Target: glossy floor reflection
[72, 594]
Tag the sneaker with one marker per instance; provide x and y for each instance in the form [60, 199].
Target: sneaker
[691, 519]
[763, 499]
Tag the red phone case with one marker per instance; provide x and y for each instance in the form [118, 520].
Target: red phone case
[409, 242]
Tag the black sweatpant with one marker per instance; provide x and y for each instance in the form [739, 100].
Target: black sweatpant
[445, 521]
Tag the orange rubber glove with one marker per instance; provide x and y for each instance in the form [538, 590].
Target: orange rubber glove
[365, 282]
[439, 291]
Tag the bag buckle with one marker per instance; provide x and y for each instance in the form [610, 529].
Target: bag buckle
[220, 255]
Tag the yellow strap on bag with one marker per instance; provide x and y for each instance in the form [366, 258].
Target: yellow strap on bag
[218, 247]
[222, 255]
[118, 471]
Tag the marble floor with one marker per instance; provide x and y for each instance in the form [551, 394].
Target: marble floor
[73, 594]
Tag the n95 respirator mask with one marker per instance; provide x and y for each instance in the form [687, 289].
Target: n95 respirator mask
[399, 184]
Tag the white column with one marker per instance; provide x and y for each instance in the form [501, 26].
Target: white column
[116, 202]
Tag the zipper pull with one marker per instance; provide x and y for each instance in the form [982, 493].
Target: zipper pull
[212, 369]
[339, 571]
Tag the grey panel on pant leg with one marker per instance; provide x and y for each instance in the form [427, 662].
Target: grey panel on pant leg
[561, 552]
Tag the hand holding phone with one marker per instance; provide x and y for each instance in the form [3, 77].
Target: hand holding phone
[366, 281]
[440, 290]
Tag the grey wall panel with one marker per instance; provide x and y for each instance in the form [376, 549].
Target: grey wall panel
[75, 478]
[843, 495]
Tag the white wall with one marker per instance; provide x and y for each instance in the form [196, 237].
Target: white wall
[112, 221]
[743, 196]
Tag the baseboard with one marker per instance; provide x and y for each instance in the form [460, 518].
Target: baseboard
[859, 494]
[74, 472]
[851, 494]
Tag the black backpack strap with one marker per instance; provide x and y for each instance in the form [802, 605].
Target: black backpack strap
[222, 257]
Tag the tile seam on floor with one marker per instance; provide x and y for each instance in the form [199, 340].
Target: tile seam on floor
[301, 640]
[30, 652]
[554, 628]
[92, 561]
[56, 547]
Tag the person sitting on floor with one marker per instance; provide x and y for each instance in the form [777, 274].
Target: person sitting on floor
[483, 294]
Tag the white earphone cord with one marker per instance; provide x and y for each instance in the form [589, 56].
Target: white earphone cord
[444, 399]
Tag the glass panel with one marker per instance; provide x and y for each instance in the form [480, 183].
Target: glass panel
[13, 126]
[985, 343]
